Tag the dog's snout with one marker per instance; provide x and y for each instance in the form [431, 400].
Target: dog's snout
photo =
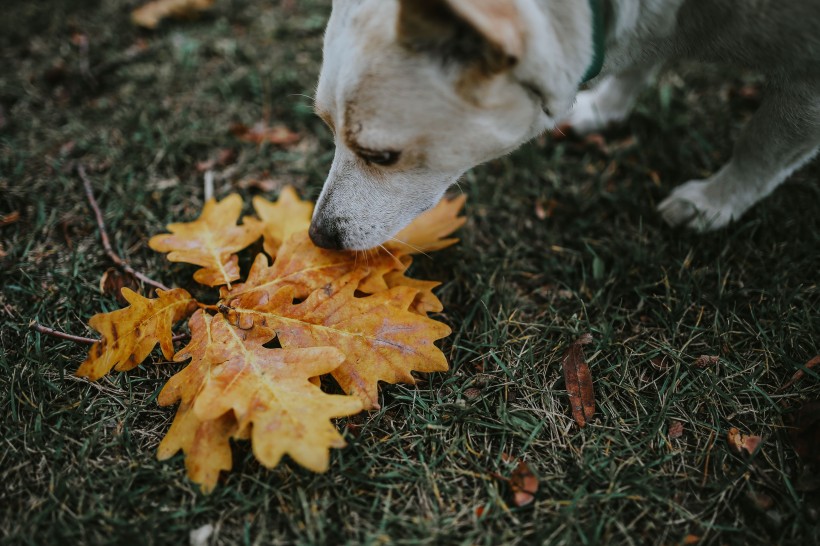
[326, 235]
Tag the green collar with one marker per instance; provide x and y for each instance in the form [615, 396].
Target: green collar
[598, 39]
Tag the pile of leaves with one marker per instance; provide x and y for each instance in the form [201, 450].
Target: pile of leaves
[256, 358]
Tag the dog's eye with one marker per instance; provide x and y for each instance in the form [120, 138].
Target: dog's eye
[383, 158]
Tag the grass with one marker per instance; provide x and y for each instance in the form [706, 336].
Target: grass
[78, 464]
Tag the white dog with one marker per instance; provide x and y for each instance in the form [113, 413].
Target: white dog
[418, 91]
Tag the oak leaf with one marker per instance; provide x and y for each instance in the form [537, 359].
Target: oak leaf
[211, 241]
[283, 218]
[131, 333]
[267, 391]
[150, 14]
[430, 230]
[380, 338]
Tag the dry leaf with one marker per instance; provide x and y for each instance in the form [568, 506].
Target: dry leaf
[429, 231]
[288, 215]
[237, 383]
[150, 14]
[380, 339]
[705, 361]
[524, 484]
[130, 334]
[114, 280]
[675, 429]
[278, 135]
[211, 241]
[739, 442]
[10, 218]
[579, 381]
[799, 374]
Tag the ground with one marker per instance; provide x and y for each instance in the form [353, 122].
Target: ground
[562, 240]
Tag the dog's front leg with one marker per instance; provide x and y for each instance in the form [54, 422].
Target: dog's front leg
[610, 100]
[782, 136]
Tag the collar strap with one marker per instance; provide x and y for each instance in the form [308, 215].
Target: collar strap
[598, 39]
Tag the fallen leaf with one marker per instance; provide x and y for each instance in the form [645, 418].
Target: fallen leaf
[211, 241]
[280, 220]
[225, 156]
[114, 280]
[524, 484]
[579, 381]
[799, 374]
[739, 442]
[675, 429]
[10, 218]
[704, 361]
[691, 539]
[130, 334]
[266, 391]
[379, 338]
[278, 135]
[430, 230]
[150, 14]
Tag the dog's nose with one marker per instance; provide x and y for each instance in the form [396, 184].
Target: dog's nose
[325, 235]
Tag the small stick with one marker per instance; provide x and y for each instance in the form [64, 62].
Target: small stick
[122, 264]
[37, 327]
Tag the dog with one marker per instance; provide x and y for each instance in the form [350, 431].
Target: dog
[416, 92]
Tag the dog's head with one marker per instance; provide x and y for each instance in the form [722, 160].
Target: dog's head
[416, 92]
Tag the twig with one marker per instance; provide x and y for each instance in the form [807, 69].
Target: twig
[37, 327]
[122, 264]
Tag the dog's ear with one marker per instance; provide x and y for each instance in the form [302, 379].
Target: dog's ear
[486, 34]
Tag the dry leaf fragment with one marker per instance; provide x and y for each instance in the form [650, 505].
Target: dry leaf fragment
[236, 386]
[704, 361]
[10, 218]
[211, 241]
[799, 374]
[150, 14]
[379, 338]
[524, 484]
[278, 135]
[130, 334]
[739, 442]
[675, 429]
[280, 220]
[579, 381]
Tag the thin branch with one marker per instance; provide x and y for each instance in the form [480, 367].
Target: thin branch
[37, 327]
[106, 242]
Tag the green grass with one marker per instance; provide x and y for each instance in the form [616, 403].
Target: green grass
[77, 463]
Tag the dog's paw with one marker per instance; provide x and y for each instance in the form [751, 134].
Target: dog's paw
[591, 113]
[689, 205]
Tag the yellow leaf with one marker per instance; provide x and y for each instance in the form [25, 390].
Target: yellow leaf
[150, 14]
[280, 220]
[425, 301]
[211, 241]
[380, 339]
[429, 230]
[131, 333]
[234, 384]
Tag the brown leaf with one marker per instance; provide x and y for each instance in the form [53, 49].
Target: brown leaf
[278, 135]
[114, 280]
[522, 481]
[579, 381]
[130, 334]
[705, 361]
[429, 231]
[150, 14]
[211, 241]
[675, 429]
[10, 218]
[799, 374]
[739, 442]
